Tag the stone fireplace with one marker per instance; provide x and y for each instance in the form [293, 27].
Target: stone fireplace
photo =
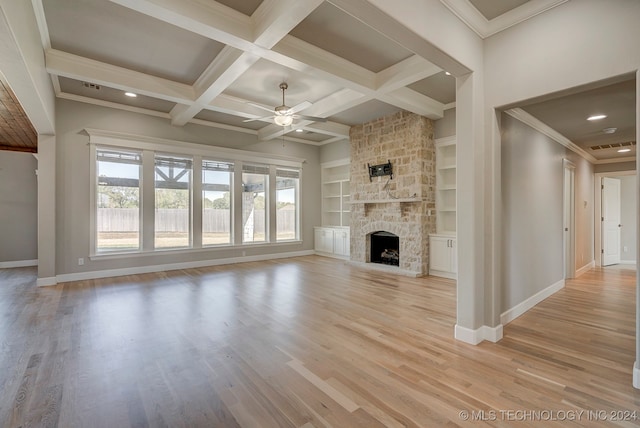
[403, 206]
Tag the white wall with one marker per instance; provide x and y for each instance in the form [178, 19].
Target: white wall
[335, 151]
[446, 127]
[532, 229]
[628, 201]
[18, 207]
[73, 159]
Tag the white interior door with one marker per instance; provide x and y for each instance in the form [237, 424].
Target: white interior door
[610, 221]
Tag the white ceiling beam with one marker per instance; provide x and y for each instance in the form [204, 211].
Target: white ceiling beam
[228, 104]
[265, 35]
[379, 21]
[272, 21]
[337, 102]
[304, 57]
[84, 69]
[211, 19]
[404, 73]
[410, 100]
[272, 131]
[228, 66]
[327, 128]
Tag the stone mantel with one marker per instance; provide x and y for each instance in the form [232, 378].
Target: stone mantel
[388, 201]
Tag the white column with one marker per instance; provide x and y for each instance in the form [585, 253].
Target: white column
[478, 182]
[46, 210]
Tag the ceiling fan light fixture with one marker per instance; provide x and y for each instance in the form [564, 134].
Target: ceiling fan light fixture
[283, 120]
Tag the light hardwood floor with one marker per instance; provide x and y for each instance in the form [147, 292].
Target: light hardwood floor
[306, 342]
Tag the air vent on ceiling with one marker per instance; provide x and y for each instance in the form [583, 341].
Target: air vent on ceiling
[91, 86]
[613, 146]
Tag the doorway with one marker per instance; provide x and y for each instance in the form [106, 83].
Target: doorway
[615, 218]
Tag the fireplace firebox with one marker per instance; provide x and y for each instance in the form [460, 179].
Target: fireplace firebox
[385, 248]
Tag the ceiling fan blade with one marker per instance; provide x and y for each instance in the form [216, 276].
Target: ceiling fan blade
[260, 107]
[312, 118]
[258, 118]
[303, 105]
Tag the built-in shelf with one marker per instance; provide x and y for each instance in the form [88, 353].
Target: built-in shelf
[336, 210]
[446, 186]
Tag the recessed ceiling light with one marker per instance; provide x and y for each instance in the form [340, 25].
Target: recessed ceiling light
[447, 73]
[624, 150]
[609, 130]
[130, 94]
[299, 130]
[597, 117]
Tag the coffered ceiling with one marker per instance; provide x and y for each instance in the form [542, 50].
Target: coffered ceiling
[220, 63]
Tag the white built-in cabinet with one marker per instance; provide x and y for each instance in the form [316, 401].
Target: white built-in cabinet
[332, 238]
[442, 244]
[443, 256]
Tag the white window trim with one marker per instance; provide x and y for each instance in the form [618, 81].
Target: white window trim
[103, 138]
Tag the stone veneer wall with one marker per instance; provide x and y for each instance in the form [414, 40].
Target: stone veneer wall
[406, 139]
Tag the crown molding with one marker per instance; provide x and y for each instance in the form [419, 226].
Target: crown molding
[484, 28]
[526, 118]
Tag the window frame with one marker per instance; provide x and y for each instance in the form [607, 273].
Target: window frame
[149, 146]
[94, 201]
[296, 200]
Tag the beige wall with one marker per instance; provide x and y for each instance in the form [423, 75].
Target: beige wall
[18, 207]
[73, 208]
[532, 226]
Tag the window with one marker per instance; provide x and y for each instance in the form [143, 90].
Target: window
[287, 186]
[217, 212]
[144, 192]
[172, 201]
[118, 200]
[254, 202]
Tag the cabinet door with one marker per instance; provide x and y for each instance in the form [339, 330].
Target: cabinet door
[341, 242]
[324, 240]
[439, 253]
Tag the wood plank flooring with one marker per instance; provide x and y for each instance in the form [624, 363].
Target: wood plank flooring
[307, 342]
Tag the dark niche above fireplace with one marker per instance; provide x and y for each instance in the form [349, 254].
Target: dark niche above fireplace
[385, 248]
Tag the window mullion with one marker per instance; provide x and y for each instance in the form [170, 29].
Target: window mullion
[196, 204]
[271, 207]
[236, 201]
[148, 200]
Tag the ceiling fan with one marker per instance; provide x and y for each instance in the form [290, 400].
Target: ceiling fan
[283, 115]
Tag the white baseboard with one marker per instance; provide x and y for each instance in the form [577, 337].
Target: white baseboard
[586, 268]
[82, 276]
[636, 375]
[529, 303]
[45, 282]
[627, 262]
[474, 337]
[17, 264]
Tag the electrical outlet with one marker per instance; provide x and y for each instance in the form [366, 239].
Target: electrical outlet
[625, 248]
[80, 261]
